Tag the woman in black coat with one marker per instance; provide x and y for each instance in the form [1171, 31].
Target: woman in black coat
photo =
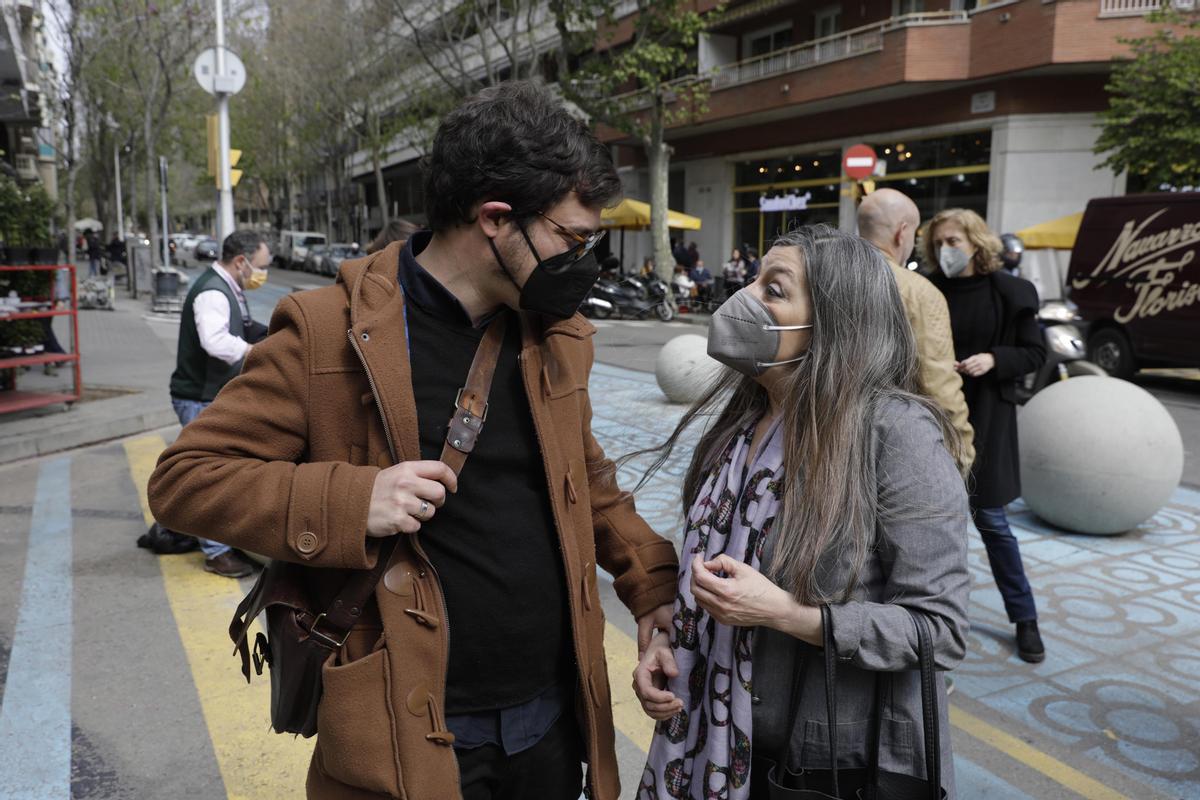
[997, 339]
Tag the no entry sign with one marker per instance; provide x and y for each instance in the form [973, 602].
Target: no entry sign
[859, 162]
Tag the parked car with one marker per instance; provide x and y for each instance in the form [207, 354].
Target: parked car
[293, 247]
[207, 250]
[333, 256]
[312, 261]
[1135, 276]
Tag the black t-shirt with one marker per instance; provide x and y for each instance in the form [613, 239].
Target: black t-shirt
[494, 544]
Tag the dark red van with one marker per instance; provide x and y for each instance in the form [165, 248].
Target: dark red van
[1135, 275]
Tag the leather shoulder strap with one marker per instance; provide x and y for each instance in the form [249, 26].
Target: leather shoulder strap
[470, 411]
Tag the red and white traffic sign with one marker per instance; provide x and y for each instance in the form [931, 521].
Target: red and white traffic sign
[859, 161]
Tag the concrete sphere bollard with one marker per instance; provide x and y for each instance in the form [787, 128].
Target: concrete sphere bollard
[1098, 455]
[683, 368]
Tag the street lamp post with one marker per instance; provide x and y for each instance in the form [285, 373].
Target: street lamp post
[225, 200]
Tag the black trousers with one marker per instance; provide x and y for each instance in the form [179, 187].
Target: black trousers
[550, 770]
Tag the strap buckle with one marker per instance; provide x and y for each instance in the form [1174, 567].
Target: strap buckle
[459, 406]
[325, 640]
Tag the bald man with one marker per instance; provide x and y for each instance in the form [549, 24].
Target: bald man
[889, 220]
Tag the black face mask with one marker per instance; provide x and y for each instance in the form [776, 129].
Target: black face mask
[557, 284]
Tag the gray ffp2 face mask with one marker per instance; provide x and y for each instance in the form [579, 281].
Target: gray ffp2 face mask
[952, 261]
[743, 334]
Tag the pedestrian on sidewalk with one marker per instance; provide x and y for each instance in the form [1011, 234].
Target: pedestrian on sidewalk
[825, 509]
[476, 669]
[215, 334]
[735, 272]
[889, 220]
[993, 316]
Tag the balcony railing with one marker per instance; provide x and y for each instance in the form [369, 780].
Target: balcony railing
[1137, 8]
[856, 42]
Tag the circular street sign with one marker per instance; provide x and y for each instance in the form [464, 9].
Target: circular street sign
[205, 70]
[859, 161]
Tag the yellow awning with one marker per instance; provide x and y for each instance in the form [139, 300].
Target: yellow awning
[634, 215]
[1057, 234]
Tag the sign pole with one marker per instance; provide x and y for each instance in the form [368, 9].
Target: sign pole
[166, 231]
[225, 198]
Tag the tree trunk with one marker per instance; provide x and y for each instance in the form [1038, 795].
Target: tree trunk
[151, 190]
[71, 254]
[658, 154]
[377, 165]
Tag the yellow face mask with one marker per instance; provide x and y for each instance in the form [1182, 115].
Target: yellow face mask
[257, 278]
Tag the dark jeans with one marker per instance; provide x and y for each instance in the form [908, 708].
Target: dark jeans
[1005, 558]
[550, 770]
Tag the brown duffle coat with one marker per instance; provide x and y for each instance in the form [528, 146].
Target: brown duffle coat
[283, 464]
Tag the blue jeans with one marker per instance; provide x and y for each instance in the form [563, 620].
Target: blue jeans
[188, 410]
[1004, 555]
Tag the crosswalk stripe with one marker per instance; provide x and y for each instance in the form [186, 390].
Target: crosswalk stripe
[35, 719]
[254, 762]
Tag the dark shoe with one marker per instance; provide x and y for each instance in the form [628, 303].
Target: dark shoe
[167, 542]
[229, 565]
[1029, 643]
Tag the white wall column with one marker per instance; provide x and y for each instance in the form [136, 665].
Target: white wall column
[1043, 168]
[708, 194]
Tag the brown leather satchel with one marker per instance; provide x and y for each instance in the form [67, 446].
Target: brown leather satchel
[305, 630]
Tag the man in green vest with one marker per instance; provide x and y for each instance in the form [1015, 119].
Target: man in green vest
[215, 333]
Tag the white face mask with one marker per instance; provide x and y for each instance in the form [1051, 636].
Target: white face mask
[952, 261]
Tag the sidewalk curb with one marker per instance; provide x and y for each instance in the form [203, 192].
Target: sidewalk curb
[76, 430]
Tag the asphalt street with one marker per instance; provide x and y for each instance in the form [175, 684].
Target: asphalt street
[118, 680]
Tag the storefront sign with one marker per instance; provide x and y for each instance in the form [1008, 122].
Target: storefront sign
[785, 202]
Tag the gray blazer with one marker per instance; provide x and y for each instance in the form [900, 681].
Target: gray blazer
[919, 564]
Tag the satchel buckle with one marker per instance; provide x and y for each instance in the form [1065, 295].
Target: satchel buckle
[458, 405]
[327, 641]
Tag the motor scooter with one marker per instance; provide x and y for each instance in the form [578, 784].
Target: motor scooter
[1066, 352]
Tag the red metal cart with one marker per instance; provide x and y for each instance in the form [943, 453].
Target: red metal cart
[15, 400]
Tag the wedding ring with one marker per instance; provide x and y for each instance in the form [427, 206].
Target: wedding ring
[424, 508]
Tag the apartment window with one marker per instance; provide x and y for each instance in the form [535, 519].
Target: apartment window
[902, 7]
[768, 40]
[828, 21]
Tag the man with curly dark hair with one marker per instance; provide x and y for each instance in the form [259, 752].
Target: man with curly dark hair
[478, 670]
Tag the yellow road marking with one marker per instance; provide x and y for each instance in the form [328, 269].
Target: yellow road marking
[621, 651]
[1030, 756]
[254, 761]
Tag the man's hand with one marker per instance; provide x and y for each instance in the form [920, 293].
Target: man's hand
[657, 620]
[650, 676]
[406, 495]
[976, 365]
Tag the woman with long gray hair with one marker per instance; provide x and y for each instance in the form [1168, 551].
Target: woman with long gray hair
[822, 499]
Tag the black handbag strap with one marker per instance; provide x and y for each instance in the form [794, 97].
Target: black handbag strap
[929, 708]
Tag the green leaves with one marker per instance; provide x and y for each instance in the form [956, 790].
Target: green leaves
[1152, 125]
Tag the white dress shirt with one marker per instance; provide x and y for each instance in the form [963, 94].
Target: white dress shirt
[211, 311]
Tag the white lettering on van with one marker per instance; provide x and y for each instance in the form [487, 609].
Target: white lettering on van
[1141, 261]
[1151, 296]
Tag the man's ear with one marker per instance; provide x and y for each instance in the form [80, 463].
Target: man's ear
[492, 216]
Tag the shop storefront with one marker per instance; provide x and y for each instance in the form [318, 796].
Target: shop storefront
[773, 195]
[938, 173]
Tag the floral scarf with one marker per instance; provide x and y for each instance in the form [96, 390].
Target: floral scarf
[703, 751]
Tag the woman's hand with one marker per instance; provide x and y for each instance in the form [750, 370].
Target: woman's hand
[650, 679]
[745, 597]
[976, 365]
